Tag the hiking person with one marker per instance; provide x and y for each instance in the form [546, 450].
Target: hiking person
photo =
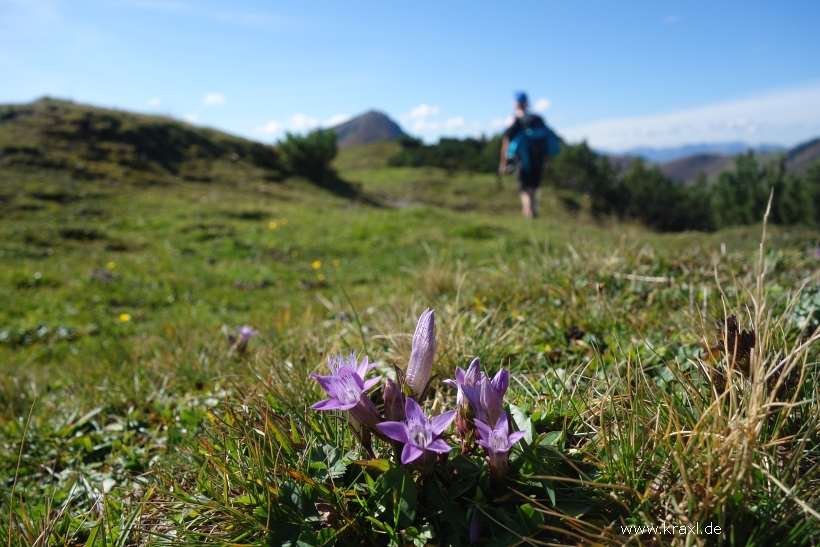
[529, 141]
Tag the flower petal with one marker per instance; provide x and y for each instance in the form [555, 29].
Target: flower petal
[439, 423]
[362, 369]
[422, 354]
[410, 453]
[483, 429]
[413, 411]
[490, 402]
[515, 437]
[485, 444]
[501, 382]
[475, 527]
[473, 374]
[395, 430]
[452, 383]
[328, 404]
[439, 446]
[459, 375]
[372, 382]
[324, 381]
[502, 424]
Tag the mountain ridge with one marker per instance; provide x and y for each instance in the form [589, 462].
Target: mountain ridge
[372, 126]
[672, 153]
[99, 143]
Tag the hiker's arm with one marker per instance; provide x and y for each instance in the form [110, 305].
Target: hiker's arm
[502, 164]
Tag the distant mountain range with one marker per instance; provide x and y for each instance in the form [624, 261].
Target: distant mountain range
[662, 155]
[713, 159]
[371, 126]
[803, 154]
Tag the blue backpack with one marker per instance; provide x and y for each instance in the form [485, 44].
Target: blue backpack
[531, 141]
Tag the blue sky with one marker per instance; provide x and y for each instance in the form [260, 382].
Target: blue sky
[620, 74]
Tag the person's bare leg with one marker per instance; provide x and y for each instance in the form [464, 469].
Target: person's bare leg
[534, 201]
[526, 203]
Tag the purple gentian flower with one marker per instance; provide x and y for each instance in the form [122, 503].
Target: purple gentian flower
[245, 332]
[465, 380]
[500, 382]
[346, 386]
[497, 441]
[394, 402]
[472, 400]
[469, 377]
[491, 406]
[475, 527]
[419, 435]
[485, 401]
[239, 345]
[420, 366]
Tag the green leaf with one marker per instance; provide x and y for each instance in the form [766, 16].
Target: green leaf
[573, 508]
[449, 512]
[325, 462]
[307, 539]
[326, 537]
[380, 464]
[419, 537]
[550, 490]
[523, 422]
[465, 467]
[383, 526]
[530, 517]
[395, 497]
[550, 438]
[459, 487]
[298, 500]
[282, 534]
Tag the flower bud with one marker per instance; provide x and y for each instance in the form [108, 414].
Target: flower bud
[464, 418]
[490, 402]
[468, 441]
[393, 402]
[423, 351]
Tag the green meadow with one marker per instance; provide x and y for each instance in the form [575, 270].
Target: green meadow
[127, 419]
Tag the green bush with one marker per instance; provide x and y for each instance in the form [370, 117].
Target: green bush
[478, 155]
[645, 194]
[310, 155]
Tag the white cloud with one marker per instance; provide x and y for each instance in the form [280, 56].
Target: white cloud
[450, 125]
[542, 105]
[301, 122]
[154, 101]
[785, 116]
[420, 112]
[455, 123]
[298, 123]
[191, 118]
[270, 128]
[496, 123]
[213, 99]
[335, 120]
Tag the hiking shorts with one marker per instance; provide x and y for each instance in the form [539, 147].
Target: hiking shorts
[531, 178]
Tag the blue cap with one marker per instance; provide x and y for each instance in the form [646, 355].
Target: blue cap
[521, 97]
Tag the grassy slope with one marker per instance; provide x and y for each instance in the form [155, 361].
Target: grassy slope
[140, 280]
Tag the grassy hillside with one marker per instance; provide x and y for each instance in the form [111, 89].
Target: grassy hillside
[127, 418]
[96, 144]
